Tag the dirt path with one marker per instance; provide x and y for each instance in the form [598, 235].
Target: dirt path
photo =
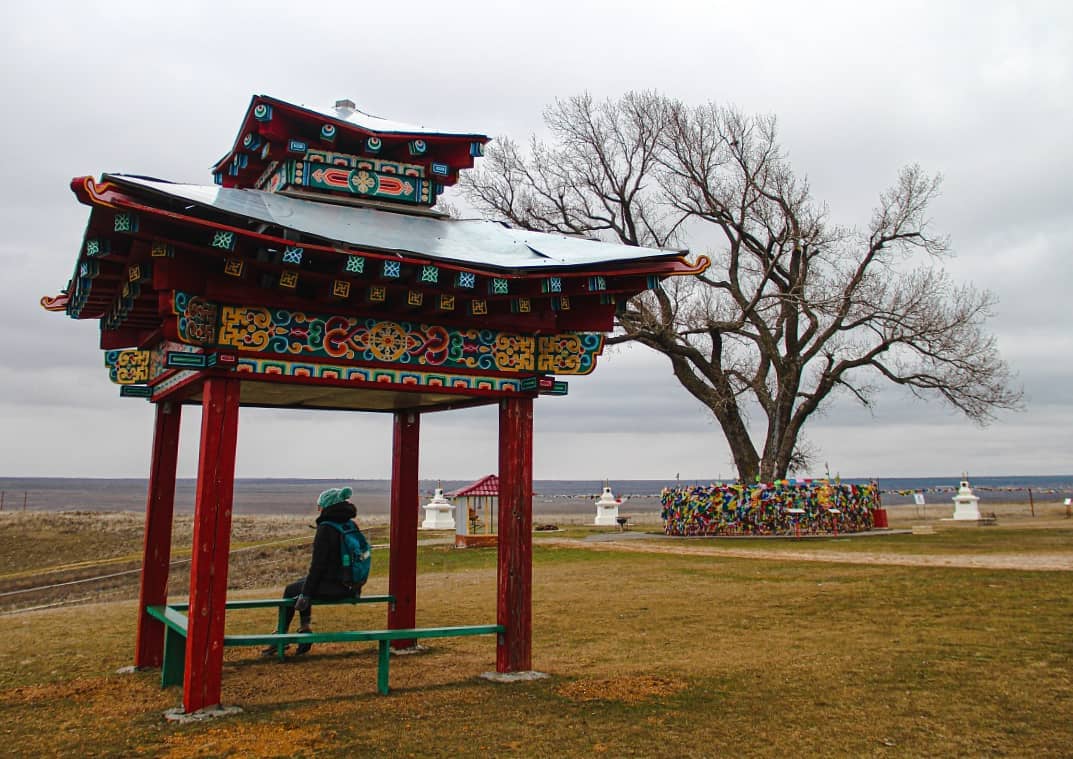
[1044, 562]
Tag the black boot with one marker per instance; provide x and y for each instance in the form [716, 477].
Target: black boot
[272, 650]
[303, 648]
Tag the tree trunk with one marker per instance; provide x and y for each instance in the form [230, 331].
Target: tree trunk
[726, 411]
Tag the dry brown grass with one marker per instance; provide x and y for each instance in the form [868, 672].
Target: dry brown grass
[650, 655]
[628, 690]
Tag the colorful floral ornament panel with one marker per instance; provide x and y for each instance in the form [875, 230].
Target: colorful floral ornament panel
[351, 339]
[352, 181]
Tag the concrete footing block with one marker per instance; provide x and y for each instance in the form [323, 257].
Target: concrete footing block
[416, 649]
[514, 677]
[178, 716]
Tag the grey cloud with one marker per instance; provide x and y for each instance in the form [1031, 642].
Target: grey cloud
[978, 91]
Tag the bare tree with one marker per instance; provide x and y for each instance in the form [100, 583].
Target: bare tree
[795, 308]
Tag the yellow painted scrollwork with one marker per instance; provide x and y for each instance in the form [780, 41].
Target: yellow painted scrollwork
[245, 328]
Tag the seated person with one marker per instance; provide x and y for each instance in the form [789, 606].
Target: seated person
[324, 580]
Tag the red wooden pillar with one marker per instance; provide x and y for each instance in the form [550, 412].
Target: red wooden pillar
[156, 550]
[402, 571]
[515, 568]
[212, 542]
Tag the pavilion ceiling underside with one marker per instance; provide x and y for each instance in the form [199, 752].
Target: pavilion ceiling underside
[293, 396]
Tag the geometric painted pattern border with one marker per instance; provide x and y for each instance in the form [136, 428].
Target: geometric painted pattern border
[176, 379]
[276, 368]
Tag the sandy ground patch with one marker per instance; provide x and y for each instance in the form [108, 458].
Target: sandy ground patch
[1046, 562]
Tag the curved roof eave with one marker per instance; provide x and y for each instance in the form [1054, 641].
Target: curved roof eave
[474, 242]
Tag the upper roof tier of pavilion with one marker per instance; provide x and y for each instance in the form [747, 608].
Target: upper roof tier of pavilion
[283, 147]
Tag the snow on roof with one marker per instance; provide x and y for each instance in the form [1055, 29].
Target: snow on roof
[345, 110]
[475, 242]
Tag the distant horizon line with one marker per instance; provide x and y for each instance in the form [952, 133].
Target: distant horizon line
[552, 479]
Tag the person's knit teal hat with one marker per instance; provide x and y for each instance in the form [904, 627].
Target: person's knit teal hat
[332, 496]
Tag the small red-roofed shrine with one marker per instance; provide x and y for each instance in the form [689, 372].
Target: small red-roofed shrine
[316, 274]
[475, 524]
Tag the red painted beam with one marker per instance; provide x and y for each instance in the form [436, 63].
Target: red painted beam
[212, 542]
[515, 567]
[402, 577]
[124, 337]
[156, 550]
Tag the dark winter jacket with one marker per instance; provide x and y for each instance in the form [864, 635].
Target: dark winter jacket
[324, 578]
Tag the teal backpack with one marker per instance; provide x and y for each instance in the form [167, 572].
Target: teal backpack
[356, 553]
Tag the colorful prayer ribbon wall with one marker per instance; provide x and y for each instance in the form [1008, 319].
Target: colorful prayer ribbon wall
[786, 507]
[981, 488]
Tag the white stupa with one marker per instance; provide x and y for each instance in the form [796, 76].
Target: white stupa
[607, 508]
[966, 506]
[439, 513]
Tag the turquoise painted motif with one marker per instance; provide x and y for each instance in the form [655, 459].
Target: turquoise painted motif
[196, 321]
[352, 181]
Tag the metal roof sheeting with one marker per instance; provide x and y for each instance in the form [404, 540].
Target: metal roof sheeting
[375, 123]
[465, 241]
[487, 485]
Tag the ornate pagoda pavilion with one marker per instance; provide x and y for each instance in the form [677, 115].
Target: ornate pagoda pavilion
[316, 274]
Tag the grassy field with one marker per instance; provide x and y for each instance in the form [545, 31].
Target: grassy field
[952, 541]
[649, 655]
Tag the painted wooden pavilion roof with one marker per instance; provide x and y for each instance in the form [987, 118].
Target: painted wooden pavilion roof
[145, 236]
[274, 130]
[312, 289]
[477, 243]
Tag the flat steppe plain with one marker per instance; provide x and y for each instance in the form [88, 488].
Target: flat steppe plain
[954, 643]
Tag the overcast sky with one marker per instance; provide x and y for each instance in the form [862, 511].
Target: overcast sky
[979, 91]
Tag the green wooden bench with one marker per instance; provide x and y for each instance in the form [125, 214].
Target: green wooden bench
[175, 626]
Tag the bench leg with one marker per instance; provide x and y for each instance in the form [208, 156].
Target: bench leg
[281, 622]
[382, 664]
[171, 671]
